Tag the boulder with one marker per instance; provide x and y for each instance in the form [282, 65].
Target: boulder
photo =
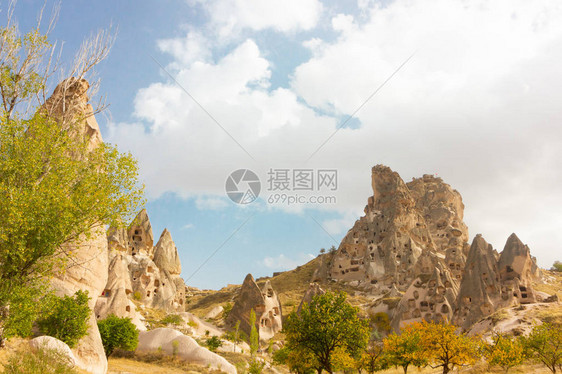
[173, 342]
[48, 342]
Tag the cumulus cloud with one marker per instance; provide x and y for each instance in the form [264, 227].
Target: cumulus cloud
[478, 104]
[283, 262]
[232, 16]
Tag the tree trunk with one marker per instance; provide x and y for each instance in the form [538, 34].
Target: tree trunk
[446, 369]
[405, 369]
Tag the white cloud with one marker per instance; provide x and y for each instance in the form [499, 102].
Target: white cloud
[210, 203]
[478, 104]
[283, 262]
[188, 226]
[232, 16]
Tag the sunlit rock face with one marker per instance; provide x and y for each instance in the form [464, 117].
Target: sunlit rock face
[141, 272]
[265, 304]
[412, 245]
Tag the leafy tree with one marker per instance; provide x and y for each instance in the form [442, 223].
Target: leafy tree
[298, 361]
[118, 332]
[406, 349]
[444, 347]
[505, 352]
[544, 344]
[557, 266]
[322, 251]
[381, 322]
[213, 343]
[326, 329]
[373, 359]
[55, 187]
[254, 338]
[67, 318]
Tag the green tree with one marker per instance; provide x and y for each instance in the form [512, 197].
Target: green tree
[213, 343]
[254, 338]
[406, 349]
[66, 318]
[557, 266]
[326, 329]
[56, 185]
[118, 333]
[298, 361]
[504, 351]
[373, 359]
[544, 344]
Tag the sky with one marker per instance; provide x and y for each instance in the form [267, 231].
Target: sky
[299, 90]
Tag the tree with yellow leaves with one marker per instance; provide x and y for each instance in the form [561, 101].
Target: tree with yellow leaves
[505, 351]
[444, 348]
[406, 349]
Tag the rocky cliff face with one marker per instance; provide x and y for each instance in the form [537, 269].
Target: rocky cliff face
[88, 269]
[265, 304]
[142, 272]
[412, 239]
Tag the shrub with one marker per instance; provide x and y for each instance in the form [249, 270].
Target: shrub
[67, 318]
[255, 366]
[213, 343]
[557, 266]
[42, 361]
[118, 333]
[172, 319]
[226, 309]
[137, 295]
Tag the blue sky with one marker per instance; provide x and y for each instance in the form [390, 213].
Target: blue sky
[477, 104]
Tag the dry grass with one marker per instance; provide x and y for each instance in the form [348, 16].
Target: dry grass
[153, 363]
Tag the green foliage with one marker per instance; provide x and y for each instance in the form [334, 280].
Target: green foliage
[118, 333]
[298, 361]
[557, 266]
[55, 187]
[137, 296]
[42, 361]
[505, 352]
[227, 308]
[175, 347]
[381, 322]
[213, 343]
[254, 338]
[27, 301]
[328, 333]
[544, 344]
[66, 318]
[172, 319]
[255, 366]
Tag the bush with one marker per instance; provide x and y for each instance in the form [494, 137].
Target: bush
[172, 319]
[255, 366]
[137, 296]
[227, 308]
[118, 333]
[43, 361]
[213, 343]
[557, 266]
[67, 318]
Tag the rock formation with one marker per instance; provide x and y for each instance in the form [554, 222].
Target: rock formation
[402, 222]
[265, 304]
[142, 272]
[88, 267]
[490, 283]
[174, 343]
[412, 239]
[313, 290]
